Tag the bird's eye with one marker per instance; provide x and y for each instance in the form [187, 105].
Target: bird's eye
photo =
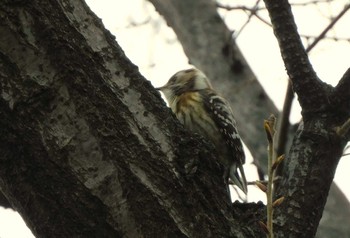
[191, 82]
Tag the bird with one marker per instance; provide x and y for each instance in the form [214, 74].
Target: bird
[201, 110]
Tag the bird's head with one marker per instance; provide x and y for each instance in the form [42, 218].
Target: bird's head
[189, 80]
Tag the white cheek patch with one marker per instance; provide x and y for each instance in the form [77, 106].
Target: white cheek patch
[201, 83]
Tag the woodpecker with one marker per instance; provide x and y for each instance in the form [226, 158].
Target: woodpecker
[201, 110]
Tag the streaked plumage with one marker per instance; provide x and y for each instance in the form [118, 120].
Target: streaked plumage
[200, 109]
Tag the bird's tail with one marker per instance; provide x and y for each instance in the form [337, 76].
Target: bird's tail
[238, 178]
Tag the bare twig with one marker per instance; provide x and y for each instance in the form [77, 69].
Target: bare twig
[239, 7]
[343, 129]
[251, 14]
[243, 7]
[330, 26]
[270, 132]
[312, 2]
[262, 19]
[254, 11]
[333, 38]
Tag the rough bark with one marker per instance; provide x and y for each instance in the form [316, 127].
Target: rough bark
[88, 148]
[317, 148]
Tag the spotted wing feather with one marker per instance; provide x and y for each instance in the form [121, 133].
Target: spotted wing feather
[222, 115]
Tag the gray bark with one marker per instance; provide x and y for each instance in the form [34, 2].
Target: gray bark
[88, 147]
[317, 148]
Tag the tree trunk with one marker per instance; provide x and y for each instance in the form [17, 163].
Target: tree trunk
[88, 147]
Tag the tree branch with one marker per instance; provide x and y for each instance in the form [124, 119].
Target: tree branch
[306, 84]
[341, 99]
[316, 147]
[312, 160]
[342, 92]
[282, 132]
[91, 149]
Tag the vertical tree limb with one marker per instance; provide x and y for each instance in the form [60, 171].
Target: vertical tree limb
[316, 150]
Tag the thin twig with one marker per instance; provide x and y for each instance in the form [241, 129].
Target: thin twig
[343, 129]
[330, 26]
[269, 126]
[333, 38]
[252, 13]
[269, 190]
[242, 7]
[314, 2]
[262, 19]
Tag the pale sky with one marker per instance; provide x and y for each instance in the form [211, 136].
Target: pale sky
[330, 60]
